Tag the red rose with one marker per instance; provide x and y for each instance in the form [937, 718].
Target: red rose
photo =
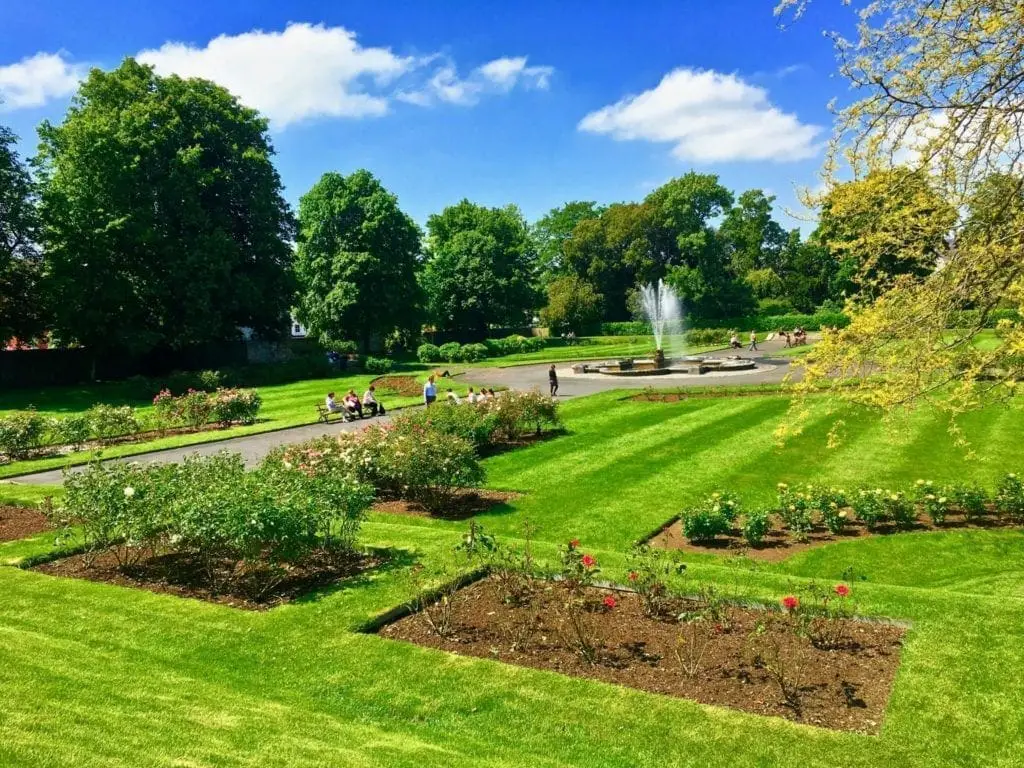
[719, 629]
[589, 561]
[609, 601]
[842, 590]
[633, 575]
[790, 603]
[574, 543]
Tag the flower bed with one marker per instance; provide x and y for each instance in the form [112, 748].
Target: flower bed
[809, 516]
[464, 504]
[21, 522]
[845, 688]
[211, 528]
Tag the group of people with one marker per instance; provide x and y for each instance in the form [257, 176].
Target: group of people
[798, 337]
[352, 405]
[734, 342]
[472, 397]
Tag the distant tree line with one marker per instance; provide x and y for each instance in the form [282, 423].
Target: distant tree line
[154, 217]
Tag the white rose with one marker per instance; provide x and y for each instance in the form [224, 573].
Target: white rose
[129, 491]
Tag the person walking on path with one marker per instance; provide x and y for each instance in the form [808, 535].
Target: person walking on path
[553, 380]
[753, 341]
[429, 391]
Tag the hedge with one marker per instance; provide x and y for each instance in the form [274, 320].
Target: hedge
[813, 322]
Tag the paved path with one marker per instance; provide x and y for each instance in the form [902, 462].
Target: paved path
[524, 377]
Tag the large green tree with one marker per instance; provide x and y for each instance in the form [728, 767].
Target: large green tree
[480, 268]
[164, 222]
[551, 233]
[890, 223]
[752, 238]
[356, 260]
[21, 307]
[573, 305]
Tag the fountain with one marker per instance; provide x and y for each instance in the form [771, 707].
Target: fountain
[662, 309]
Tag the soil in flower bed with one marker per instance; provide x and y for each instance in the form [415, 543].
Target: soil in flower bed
[21, 522]
[181, 574]
[779, 544]
[406, 386]
[846, 688]
[466, 503]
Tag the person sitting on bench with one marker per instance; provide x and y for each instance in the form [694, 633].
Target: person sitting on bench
[332, 404]
[734, 342]
[370, 402]
[352, 403]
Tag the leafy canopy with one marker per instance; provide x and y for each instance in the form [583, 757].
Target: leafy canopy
[164, 222]
[356, 260]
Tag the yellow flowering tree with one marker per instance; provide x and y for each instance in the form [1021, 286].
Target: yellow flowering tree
[939, 114]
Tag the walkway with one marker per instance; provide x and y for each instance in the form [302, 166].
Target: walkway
[524, 377]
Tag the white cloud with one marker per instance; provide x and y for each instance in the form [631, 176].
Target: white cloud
[305, 71]
[496, 76]
[708, 117]
[36, 79]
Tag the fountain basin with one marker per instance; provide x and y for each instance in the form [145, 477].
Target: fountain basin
[694, 364]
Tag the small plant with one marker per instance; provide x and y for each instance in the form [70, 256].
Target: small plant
[830, 506]
[210, 381]
[229, 406]
[767, 648]
[696, 633]
[899, 509]
[868, 506]
[824, 613]
[436, 609]
[933, 501]
[579, 569]
[512, 570]
[1010, 498]
[756, 525]
[648, 570]
[970, 498]
[701, 526]
[795, 511]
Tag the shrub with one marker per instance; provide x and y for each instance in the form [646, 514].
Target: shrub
[726, 502]
[516, 413]
[869, 507]
[450, 352]
[165, 409]
[756, 525]
[21, 432]
[235, 405]
[933, 501]
[635, 328]
[704, 336]
[416, 463]
[649, 569]
[195, 408]
[970, 498]
[475, 425]
[1010, 498]
[703, 525]
[121, 505]
[899, 509]
[428, 353]
[795, 510]
[514, 345]
[829, 504]
[472, 353]
[378, 365]
[71, 430]
[210, 381]
[109, 421]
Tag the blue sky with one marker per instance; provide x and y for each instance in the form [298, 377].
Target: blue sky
[534, 103]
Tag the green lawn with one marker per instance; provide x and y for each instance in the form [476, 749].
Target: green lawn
[96, 675]
[284, 406]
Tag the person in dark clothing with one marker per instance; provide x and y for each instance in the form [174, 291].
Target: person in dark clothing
[553, 380]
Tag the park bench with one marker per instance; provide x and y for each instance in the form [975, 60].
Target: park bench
[324, 415]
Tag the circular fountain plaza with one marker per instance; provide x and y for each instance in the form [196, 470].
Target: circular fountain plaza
[662, 308]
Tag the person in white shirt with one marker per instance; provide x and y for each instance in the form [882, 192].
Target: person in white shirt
[370, 402]
[332, 404]
[452, 397]
[472, 397]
